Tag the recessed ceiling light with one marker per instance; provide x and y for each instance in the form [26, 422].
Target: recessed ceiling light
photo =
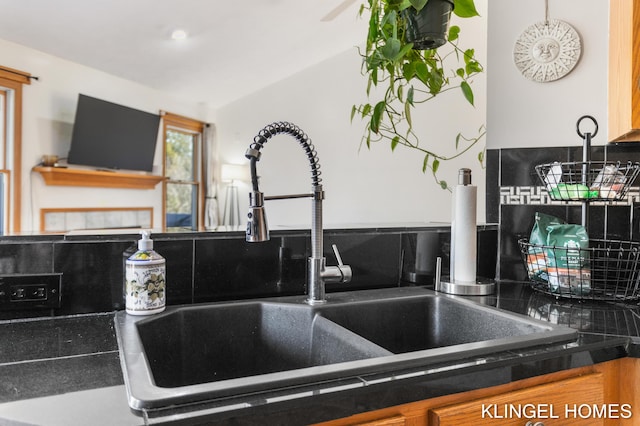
[179, 35]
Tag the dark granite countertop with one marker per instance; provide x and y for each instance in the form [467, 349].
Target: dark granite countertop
[66, 370]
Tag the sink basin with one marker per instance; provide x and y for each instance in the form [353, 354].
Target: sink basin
[198, 353]
[401, 325]
[200, 344]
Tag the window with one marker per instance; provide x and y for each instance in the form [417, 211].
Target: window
[11, 82]
[183, 189]
[4, 173]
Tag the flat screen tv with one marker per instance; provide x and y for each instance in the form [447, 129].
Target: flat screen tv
[111, 136]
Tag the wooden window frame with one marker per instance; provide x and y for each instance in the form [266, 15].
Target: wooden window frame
[179, 122]
[7, 198]
[13, 80]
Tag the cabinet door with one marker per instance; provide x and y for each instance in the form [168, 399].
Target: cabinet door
[624, 70]
[574, 401]
[387, 421]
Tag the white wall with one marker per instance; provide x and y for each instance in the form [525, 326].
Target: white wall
[48, 115]
[522, 113]
[362, 186]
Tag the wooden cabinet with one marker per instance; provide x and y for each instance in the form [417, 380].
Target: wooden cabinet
[569, 401]
[624, 70]
[388, 421]
[602, 394]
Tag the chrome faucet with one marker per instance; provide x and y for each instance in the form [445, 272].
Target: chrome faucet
[318, 273]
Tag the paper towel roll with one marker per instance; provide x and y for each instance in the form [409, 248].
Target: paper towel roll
[464, 234]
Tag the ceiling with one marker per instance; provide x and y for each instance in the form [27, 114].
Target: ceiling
[234, 47]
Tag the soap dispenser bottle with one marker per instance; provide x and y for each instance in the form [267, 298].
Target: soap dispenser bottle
[145, 279]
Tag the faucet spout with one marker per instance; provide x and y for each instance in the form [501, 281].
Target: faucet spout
[257, 229]
[318, 273]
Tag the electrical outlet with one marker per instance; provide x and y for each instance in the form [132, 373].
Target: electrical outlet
[30, 291]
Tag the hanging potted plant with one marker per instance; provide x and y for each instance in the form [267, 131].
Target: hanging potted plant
[402, 61]
[427, 27]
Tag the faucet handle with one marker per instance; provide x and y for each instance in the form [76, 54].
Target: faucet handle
[337, 254]
[337, 274]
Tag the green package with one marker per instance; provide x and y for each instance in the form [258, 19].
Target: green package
[542, 222]
[569, 242]
[537, 256]
[558, 255]
[568, 259]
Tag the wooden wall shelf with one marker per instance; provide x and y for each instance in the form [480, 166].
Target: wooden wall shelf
[94, 178]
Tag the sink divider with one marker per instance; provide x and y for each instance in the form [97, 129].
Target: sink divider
[330, 339]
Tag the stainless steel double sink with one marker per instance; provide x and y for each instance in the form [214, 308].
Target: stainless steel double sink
[203, 352]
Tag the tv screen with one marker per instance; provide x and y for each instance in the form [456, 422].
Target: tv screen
[112, 136]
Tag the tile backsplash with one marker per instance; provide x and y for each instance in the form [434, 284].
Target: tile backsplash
[210, 266]
[515, 193]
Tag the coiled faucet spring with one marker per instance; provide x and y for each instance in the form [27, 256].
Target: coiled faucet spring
[273, 129]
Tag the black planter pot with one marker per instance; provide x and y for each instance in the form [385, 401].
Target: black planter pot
[427, 29]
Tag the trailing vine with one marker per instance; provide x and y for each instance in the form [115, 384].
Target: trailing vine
[412, 77]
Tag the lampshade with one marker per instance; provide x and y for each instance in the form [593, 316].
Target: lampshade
[231, 172]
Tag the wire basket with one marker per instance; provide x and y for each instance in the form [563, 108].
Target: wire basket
[607, 270]
[590, 180]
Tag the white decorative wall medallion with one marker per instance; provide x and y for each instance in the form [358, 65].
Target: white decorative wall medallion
[547, 51]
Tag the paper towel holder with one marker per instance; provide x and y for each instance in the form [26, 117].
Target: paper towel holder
[444, 284]
[463, 279]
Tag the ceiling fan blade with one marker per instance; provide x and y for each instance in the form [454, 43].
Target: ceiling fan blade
[337, 11]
